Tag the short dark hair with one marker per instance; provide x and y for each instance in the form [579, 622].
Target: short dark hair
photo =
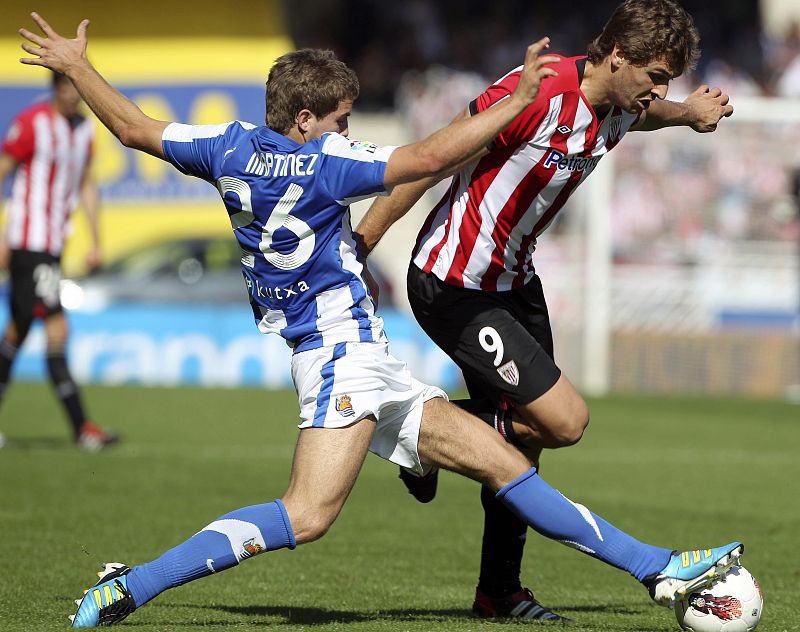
[647, 30]
[310, 79]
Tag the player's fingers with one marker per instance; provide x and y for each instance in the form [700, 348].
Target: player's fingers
[33, 37]
[31, 62]
[714, 92]
[28, 48]
[547, 72]
[537, 47]
[82, 29]
[46, 28]
[701, 89]
[547, 59]
[727, 110]
[723, 99]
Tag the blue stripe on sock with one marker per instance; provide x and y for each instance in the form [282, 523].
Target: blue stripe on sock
[324, 396]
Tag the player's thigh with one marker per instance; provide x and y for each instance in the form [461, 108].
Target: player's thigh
[324, 469]
[457, 441]
[485, 336]
[35, 279]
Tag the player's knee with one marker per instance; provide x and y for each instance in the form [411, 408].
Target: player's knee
[571, 430]
[308, 523]
[311, 530]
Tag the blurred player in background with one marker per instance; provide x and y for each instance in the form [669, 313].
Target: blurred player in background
[471, 282]
[286, 187]
[48, 148]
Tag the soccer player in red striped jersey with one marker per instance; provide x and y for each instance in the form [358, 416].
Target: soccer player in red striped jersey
[472, 283]
[48, 148]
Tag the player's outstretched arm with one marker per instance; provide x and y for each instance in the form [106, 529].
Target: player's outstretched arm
[386, 210]
[444, 150]
[702, 110]
[118, 113]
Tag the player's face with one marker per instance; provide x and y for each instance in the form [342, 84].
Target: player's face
[336, 121]
[639, 86]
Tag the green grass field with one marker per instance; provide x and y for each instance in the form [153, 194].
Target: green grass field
[675, 472]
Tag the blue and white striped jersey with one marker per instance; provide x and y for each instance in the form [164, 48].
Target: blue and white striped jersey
[288, 205]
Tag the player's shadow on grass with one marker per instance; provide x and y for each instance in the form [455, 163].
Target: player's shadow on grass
[39, 443]
[304, 615]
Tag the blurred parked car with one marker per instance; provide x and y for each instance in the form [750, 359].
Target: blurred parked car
[189, 270]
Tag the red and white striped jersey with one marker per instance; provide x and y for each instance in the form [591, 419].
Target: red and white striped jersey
[53, 154]
[483, 232]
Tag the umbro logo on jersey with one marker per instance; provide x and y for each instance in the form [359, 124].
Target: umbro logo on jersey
[564, 129]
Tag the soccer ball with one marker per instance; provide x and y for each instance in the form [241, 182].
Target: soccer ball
[732, 604]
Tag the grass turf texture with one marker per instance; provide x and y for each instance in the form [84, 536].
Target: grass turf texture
[676, 472]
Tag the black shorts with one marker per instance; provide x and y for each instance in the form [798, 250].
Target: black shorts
[501, 341]
[35, 278]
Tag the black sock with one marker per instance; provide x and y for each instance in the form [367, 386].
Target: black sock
[7, 354]
[66, 389]
[503, 533]
[502, 548]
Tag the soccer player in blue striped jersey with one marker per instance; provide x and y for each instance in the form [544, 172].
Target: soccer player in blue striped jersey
[286, 187]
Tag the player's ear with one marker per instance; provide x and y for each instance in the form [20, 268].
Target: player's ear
[617, 57]
[303, 120]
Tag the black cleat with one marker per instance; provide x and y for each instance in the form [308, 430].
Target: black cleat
[518, 605]
[423, 488]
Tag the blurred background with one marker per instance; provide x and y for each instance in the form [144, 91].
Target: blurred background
[674, 269]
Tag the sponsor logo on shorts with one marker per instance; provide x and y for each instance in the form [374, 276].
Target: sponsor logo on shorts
[509, 372]
[344, 406]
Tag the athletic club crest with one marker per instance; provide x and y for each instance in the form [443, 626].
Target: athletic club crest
[344, 406]
[509, 373]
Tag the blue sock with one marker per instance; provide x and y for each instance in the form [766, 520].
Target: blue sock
[224, 543]
[555, 516]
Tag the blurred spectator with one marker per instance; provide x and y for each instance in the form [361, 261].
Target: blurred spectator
[384, 40]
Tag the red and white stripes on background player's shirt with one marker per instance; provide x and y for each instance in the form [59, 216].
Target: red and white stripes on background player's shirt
[52, 158]
[482, 233]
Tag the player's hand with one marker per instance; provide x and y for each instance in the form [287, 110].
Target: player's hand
[706, 108]
[94, 259]
[535, 68]
[53, 51]
[5, 256]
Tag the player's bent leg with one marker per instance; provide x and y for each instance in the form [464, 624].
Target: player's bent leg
[325, 467]
[556, 419]
[456, 441]
[86, 434]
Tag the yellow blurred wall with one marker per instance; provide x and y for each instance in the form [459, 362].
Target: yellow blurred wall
[152, 42]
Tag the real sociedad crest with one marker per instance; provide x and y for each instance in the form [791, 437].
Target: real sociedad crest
[509, 373]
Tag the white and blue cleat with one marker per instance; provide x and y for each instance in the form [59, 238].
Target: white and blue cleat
[687, 571]
[107, 602]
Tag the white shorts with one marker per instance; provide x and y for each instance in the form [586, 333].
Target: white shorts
[340, 385]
